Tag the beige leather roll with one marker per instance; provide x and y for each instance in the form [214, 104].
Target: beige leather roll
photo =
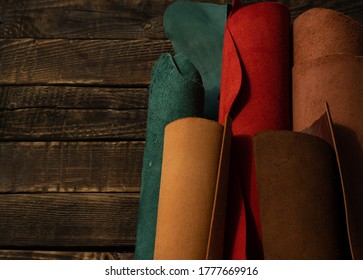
[328, 67]
[193, 189]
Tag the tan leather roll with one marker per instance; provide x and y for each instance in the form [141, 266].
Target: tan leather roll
[192, 199]
[319, 32]
[302, 208]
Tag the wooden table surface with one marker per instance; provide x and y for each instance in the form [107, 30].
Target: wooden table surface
[74, 79]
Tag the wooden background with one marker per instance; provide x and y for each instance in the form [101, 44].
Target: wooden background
[74, 78]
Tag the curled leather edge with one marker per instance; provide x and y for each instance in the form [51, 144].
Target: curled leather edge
[236, 80]
[216, 230]
[323, 128]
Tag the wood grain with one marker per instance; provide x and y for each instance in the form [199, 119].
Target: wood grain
[27, 167]
[21, 97]
[73, 62]
[62, 255]
[107, 19]
[98, 19]
[83, 19]
[68, 124]
[74, 220]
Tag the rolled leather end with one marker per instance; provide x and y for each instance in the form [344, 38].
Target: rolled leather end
[319, 32]
[301, 200]
[191, 210]
[196, 30]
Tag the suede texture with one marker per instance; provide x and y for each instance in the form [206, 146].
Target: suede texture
[329, 68]
[176, 91]
[255, 91]
[301, 199]
[190, 221]
[196, 30]
[319, 32]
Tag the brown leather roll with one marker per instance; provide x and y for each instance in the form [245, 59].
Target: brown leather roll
[193, 190]
[328, 67]
[319, 32]
[301, 201]
[336, 79]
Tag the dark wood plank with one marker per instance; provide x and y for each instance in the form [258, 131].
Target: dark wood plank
[90, 62]
[67, 124]
[62, 255]
[98, 19]
[20, 97]
[27, 167]
[83, 19]
[74, 220]
[102, 19]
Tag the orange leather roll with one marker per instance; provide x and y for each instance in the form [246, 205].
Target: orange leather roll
[192, 201]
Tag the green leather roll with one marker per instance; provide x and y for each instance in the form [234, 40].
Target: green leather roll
[176, 92]
[196, 30]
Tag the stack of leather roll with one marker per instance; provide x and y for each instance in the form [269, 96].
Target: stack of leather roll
[186, 162]
[253, 144]
[328, 67]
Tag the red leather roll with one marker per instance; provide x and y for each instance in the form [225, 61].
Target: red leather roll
[255, 91]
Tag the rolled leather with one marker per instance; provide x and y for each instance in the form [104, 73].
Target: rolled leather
[328, 67]
[193, 190]
[176, 91]
[301, 198]
[255, 92]
[196, 30]
[319, 32]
